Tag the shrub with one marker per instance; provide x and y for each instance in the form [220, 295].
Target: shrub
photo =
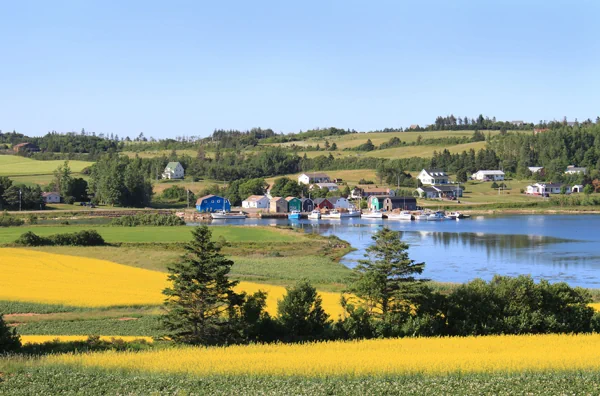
[81, 238]
[9, 339]
[363, 181]
[68, 200]
[495, 185]
[32, 219]
[147, 220]
[7, 220]
[31, 239]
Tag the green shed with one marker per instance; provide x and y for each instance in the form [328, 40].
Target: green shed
[376, 202]
[294, 204]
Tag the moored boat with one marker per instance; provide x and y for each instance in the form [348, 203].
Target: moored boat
[374, 214]
[403, 215]
[294, 215]
[314, 215]
[224, 215]
[421, 215]
[437, 216]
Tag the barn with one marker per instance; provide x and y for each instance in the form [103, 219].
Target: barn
[212, 203]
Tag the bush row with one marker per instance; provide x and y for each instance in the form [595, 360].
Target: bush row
[7, 220]
[81, 238]
[147, 220]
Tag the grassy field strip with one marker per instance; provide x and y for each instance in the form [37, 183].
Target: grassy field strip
[377, 138]
[429, 356]
[39, 339]
[13, 165]
[38, 277]
[158, 234]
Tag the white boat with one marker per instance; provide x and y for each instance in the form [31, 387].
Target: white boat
[336, 214]
[224, 215]
[437, 216]
[314, 215]
[404, 215]
[451, 216]
[421, 215]
[374, 214]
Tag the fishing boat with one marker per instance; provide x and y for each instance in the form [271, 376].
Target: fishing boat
[295, 215]
[336, 214]
[451, 216]
[437, 216]
[224, 215]
[314, 215]
[374, 214]
[404, 215]
[421, 215]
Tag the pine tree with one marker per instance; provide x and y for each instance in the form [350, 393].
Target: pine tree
[9, 339]
[301, 313]
[201, 303]
[386, 278]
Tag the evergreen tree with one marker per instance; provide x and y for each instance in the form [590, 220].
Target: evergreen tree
[301, 313]
[201, 303]
[386, 278]
[9, 339]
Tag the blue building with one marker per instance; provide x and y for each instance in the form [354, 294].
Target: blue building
[212, 203]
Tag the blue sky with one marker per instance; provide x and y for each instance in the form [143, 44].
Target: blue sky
[187, 67]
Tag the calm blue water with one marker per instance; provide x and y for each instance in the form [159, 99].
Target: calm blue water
[553, 247]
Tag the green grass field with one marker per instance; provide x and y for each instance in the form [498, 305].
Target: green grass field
[356, 139]
[13, 165]
[28, 376]
[157, 234]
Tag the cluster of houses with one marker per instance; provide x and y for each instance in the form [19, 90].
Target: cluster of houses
[435, 183]
[546, 189]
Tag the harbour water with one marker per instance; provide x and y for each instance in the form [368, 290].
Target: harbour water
[553, 247]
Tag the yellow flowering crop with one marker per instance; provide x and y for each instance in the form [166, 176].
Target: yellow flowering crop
[40, 277]
[362, 358]
[38, 339]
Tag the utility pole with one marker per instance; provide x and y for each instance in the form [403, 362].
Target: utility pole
[20, 194]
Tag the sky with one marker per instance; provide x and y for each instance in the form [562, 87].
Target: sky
[183, 68]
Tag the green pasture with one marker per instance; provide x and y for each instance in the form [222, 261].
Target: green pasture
[158, 234]
[13, 165]
[29, 376]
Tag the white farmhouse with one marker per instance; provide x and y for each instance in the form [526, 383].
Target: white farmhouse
[433, 176]
[488, 175]
[51, 197]
[173, 170]
[545, 189]
[256, 202]
[310, 178]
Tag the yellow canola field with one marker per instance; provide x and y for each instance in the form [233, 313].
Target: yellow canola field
[362, 358]
[49, 278]
[39, 339]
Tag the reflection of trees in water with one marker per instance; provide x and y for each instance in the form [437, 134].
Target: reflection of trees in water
[492, 243]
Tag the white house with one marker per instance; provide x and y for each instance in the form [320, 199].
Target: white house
[256, 202]
[51, 197]
[173, 170]
[310, 178]
[488, 175]
[329, 186]
[433, 176]
[339, 202]
[545, 189]
[572, 169]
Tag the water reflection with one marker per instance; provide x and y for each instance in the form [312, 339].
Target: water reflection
[553, 247]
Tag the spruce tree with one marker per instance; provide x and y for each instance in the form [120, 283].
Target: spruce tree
[9, 339]
[385, 279]
[201, 303]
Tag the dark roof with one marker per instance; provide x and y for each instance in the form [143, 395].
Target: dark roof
[447, 187]
[290, 198]
[428, 189]
[401, 199]
[317, 201]
[303, 199]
